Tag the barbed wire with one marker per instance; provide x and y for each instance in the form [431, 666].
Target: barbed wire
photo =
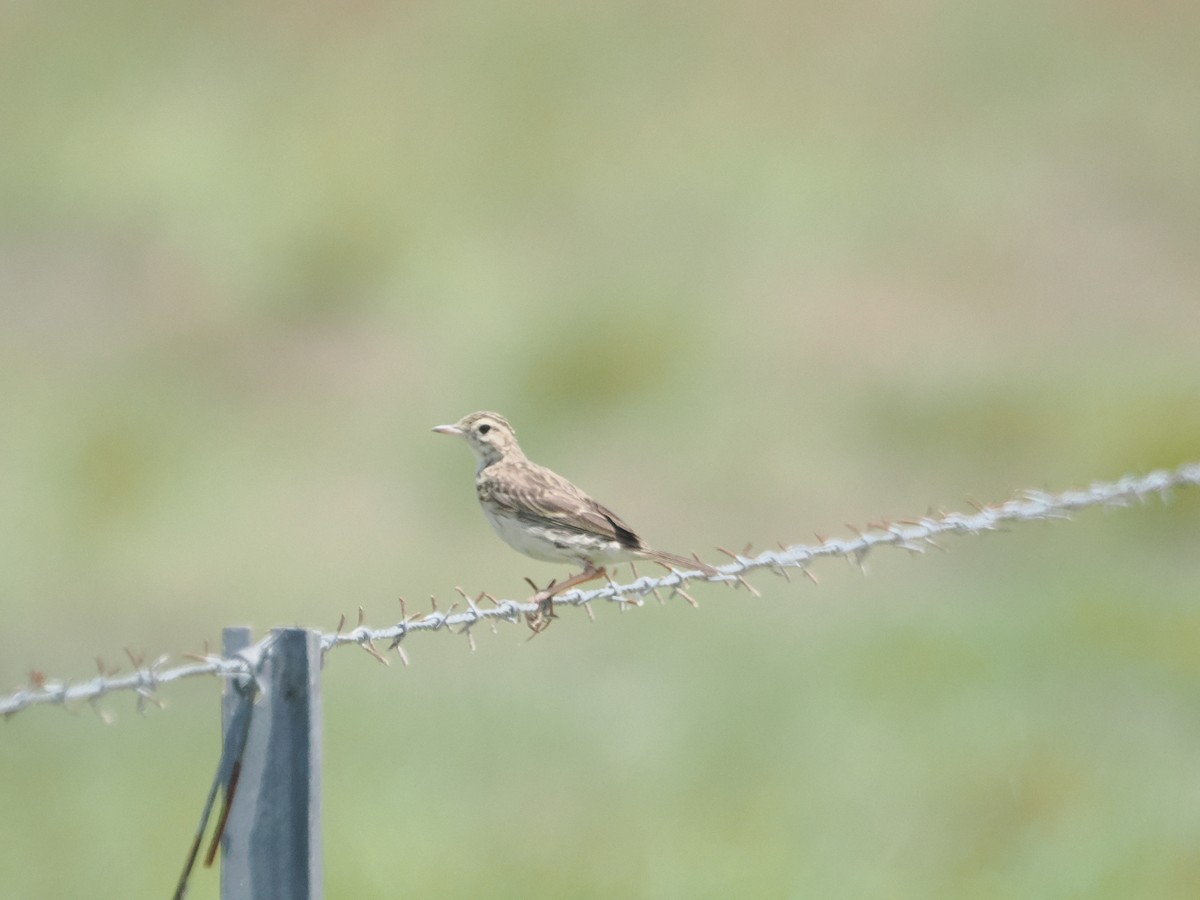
[144, 680]
[914, 535]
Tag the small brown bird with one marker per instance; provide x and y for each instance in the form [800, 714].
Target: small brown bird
[543, 515]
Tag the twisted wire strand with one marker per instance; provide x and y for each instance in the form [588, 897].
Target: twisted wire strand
[913, 535]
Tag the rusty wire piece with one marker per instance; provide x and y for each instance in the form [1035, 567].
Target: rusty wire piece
[476, 612]
[912, 535]
[741, 560]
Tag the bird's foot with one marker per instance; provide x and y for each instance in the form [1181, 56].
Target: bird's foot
[539, 619]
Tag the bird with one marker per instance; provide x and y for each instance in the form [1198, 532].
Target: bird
[543, 515]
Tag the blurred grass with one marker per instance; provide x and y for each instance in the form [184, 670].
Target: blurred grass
[743, 272]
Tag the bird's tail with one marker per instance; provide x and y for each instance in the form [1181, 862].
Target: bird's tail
[683, 563]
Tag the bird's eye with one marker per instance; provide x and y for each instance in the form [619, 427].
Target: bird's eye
[484, 428]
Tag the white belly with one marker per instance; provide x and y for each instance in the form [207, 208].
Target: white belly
[557, 545]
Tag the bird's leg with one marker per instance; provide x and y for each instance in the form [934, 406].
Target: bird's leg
[540, 620]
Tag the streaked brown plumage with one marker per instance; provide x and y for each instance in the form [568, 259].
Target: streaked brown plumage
[542, 514]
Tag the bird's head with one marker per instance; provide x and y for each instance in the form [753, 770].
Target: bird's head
[488, 434]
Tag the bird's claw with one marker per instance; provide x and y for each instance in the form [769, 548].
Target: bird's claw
[539, 620]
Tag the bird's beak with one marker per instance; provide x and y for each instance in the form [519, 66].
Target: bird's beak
[449, 429]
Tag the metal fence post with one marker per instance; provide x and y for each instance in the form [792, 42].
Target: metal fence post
[272, 844]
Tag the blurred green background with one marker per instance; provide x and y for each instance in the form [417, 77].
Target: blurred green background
[743, 271]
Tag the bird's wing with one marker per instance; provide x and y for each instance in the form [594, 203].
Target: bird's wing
[539, 496]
